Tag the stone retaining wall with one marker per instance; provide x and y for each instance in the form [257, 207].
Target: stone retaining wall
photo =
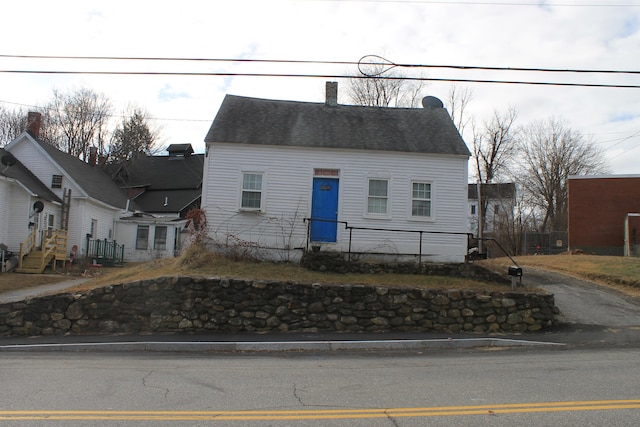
[186, 304]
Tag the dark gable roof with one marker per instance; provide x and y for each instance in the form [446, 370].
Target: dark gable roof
[304, 124]
[20, 173]
[506, 190]
[168, 201]
[171, 183]
[163, 172]
[94, 181]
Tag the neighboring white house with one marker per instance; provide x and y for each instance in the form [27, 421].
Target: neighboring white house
[499, 199]
[96, 202]
[398, 176]
[146, 237]
[24, 202]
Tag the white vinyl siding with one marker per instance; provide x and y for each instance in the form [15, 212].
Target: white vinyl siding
[290, 174]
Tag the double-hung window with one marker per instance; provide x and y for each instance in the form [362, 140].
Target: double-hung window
[142, 237]
[421, 200]
[251, 198]
[160, 238]
[378, 197]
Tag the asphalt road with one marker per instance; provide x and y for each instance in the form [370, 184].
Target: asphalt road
[593, 387]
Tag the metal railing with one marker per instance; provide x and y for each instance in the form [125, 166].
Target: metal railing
[421, 233]
[105, 252]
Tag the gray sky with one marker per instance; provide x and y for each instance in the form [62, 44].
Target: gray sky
[558, 34]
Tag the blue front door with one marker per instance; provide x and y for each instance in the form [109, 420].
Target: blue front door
[324, 210]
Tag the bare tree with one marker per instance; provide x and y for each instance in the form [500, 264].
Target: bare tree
[493, 149]
[380, 88]
[550, 153]
[12, 124]
[458, 99]
[134, 135]
[77, 120]
[494, 145]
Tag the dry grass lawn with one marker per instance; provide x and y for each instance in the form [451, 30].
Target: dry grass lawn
[621, 273]
[199, 263]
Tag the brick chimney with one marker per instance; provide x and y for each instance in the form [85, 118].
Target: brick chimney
[93, 156]
[332, 94]
[34, 119]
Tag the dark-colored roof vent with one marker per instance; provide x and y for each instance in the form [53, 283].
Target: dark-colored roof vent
[430, 102]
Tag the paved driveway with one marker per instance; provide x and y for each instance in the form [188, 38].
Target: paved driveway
[585, 303]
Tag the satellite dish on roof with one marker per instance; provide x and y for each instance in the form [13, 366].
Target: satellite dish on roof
[8, 160]
[430, 102]
[38, 206]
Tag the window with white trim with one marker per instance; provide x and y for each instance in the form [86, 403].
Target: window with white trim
[160, 238]
[378, 197]
[142, 237]
[421, 200]
[251, 198]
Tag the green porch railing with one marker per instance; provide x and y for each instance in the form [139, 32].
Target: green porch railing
[105, 252]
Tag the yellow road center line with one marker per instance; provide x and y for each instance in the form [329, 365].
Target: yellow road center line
[310, 414]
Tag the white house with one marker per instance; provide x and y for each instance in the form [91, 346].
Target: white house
[498, 200]
[22, 199]
[146, 237]
[283, 176]
[95, 202]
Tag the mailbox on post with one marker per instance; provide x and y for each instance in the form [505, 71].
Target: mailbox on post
[515, 271]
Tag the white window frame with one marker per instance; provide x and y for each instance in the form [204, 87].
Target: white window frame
[244, 190]
[429, 199]
[386, 198]
[160, 244]
[139, 240]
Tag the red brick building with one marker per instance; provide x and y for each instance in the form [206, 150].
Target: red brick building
[598, 209]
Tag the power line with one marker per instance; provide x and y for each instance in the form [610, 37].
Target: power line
[376, 61]
[326, 76]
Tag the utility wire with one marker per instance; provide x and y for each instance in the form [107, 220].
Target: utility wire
[374, 60]
[326, 76]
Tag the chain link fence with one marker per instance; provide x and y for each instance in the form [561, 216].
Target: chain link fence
[551, 243]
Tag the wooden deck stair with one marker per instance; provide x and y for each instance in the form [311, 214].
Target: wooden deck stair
[33, 262]
[53, 249]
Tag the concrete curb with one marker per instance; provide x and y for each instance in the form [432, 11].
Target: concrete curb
[271, 346]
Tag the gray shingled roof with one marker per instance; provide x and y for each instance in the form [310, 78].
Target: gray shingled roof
[305, 124]
[20, 173]
[176, 180]
[94, 181]
[162, 172]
